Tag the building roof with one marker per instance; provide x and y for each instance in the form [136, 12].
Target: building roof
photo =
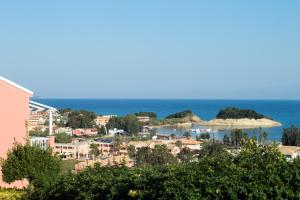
[40, 106]
[16, 85]
[188, 141]
[288, 150]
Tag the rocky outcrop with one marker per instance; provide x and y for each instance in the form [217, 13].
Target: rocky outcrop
[241, 123]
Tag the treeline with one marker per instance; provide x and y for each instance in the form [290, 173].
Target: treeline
[183, 114]
[236, 113]
[128, 123]
[291, 136]
[255, 173]
[146, 114]
[78, 118]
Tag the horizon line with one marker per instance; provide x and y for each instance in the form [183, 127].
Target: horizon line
[210, 99]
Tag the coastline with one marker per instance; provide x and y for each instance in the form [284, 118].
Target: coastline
[226, 124]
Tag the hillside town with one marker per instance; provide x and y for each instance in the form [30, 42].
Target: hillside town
[112, 144]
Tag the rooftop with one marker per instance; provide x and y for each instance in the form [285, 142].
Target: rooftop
[288, 150]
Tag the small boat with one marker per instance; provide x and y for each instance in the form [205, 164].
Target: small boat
[197, 130]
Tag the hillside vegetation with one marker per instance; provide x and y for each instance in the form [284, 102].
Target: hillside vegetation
[183, 114]
[255, 173]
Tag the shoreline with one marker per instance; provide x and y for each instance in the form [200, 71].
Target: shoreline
[226, 124]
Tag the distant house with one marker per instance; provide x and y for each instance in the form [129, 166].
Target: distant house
[85, 132]
[14, 116]
[115, 131]
[66, 130]
[143, 118]
[290, 152]
[189, 143]
[103, 120]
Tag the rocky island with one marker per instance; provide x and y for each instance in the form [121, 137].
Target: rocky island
[231, 117]
[184, 119]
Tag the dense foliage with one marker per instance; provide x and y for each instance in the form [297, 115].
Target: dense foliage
[11, 194]
[255, 173]
[80, 118]
[38, 133]
[183, 114]
[203, 136]
[129, 123]
[30, 162]
[159, 155]
[148, 114]
[236, 113]
[62, 138]
[291, 136]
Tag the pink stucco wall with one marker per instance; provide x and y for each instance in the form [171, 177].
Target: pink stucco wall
[14, 112]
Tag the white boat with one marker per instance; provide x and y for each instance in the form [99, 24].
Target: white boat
[197, 130]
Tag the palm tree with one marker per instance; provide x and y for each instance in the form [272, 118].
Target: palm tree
[117, 144]
[94, 150]
[187, 134]
[265, 137]
[178, 144]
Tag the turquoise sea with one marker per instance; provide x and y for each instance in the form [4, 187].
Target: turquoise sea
[285, 111]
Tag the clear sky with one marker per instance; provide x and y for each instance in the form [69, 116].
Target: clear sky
[210, 49]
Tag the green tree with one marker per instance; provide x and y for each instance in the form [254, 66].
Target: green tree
[187, 134]
[101, 130]
[117, 143]
[290, 136]
[173, 136]
[94, 150]
[226, 140]
[148, 114]
[205, 136]
[211, 149]
[178, 144]
[143, 156]
[265, 137]
[160, 155]
[81, 119]
[236, 113]
[236, 137]
[129, 123]
[38, 133]
[63, 138]
[183, 114]
[185, 155]
[29, 162]
[131, 151]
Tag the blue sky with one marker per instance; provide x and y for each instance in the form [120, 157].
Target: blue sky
[153, 49]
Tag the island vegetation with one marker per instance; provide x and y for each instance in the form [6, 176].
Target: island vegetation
[236, 113]
[152, 115]
[180, 119]
[180, 115]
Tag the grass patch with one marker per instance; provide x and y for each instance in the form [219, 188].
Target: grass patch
[68, 165]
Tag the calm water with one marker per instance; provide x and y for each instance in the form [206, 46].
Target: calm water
[284, 111]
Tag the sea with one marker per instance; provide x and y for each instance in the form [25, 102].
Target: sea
[285, 111]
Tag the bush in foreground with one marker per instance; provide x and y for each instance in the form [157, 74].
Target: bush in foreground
[11, 194]
[256, 173]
